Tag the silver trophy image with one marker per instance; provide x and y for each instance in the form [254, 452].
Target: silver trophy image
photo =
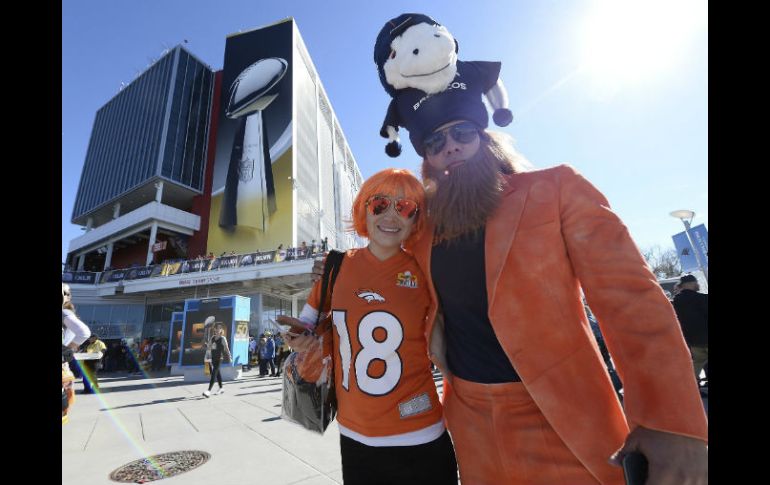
[249, 197]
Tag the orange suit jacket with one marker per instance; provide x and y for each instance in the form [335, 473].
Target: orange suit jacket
[553, 234]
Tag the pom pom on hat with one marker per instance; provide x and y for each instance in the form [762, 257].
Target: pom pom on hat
[502, 117]
[393, 149]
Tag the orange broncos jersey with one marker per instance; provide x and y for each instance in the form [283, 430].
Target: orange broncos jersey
[381, 368]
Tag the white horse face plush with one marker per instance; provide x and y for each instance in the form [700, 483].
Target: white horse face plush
[424, 57]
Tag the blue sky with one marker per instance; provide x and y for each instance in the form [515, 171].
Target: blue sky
[617, 89]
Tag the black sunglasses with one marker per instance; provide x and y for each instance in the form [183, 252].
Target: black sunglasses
[464, 133]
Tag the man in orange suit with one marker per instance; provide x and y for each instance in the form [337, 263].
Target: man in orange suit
[510, 253]
[527, 398]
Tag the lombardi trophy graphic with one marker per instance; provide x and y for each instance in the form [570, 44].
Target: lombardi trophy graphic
[249, 197]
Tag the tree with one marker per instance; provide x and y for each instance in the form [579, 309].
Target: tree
[664, 262]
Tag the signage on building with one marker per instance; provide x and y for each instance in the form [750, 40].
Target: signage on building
[161, 246]
[251, 195]
[83, 278]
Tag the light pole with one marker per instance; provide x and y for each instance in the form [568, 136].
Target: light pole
[684, 215]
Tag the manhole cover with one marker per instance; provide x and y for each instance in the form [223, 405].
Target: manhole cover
[158, 467]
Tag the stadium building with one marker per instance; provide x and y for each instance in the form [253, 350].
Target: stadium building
[200, 183]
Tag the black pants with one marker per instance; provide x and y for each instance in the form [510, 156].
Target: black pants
[431, 463]
[279, 361]
[214, 366]
[90, 379]
[263, 366]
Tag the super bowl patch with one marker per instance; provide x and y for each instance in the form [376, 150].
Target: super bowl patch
[406, 279]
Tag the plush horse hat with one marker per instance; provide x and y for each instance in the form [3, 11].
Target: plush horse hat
[417, 63]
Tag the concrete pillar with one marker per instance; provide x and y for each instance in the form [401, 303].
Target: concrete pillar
[159, 191]
[153, 235]
[294, 307]
[81, 261]
[89, 224]
[116, 210]
[108, 259]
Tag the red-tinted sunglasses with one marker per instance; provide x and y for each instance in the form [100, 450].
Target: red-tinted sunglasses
[406, 208]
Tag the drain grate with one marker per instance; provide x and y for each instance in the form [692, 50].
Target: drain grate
[158, 467]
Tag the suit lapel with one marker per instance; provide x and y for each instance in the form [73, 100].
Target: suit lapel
[500, 232]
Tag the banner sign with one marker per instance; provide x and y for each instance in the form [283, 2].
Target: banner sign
[140, 273]
[161, 246]
[171, 269]
[685, 251]
[115, 275]
[79, 277]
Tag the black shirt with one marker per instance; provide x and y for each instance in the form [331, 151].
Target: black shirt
[459, 275]
[692, 310]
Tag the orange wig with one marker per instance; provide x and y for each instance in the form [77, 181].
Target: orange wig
[389, 182]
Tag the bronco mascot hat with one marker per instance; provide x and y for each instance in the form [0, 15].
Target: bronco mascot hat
[416, 59]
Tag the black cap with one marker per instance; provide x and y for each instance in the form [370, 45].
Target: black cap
[440, 109]
[688, 278]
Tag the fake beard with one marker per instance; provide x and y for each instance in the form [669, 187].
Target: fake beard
[461, 200]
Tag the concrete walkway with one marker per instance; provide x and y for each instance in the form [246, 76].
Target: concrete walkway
[242, 430]
[135, 417]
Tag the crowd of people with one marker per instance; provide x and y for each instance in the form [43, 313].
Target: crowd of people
[268, 353]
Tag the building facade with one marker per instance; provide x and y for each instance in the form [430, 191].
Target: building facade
[202, 183]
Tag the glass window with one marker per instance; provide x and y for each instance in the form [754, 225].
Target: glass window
[118, 314]
[102, 314]
[85, 313]
[154, 313]
[135, 315]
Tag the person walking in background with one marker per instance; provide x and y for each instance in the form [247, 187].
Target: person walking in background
[252, 349]
[281, 351]
[267, 355]
[91, 367]
[156, 353]
[220, 352]
[692, 309]
[74, 333]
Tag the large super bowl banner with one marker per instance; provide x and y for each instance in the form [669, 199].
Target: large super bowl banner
[251, 205]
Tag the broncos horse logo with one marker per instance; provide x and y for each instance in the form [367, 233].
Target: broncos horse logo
[370, 296]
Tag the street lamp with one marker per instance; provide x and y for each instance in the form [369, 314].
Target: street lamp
[686, 217]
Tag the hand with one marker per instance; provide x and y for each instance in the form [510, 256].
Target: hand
[318, 269]
[298, 327]
[673, 459]
[301, 343]
[299, 338]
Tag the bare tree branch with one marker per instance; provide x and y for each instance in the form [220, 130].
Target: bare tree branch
[664, 262]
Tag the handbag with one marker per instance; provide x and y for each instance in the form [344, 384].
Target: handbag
[309, 398]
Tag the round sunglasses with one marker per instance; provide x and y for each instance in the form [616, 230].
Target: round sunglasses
[406, 208]
[464, 133]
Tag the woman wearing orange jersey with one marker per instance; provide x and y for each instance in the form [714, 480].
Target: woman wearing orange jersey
[389, 415]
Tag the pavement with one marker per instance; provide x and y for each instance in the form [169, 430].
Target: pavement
[134, 417]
